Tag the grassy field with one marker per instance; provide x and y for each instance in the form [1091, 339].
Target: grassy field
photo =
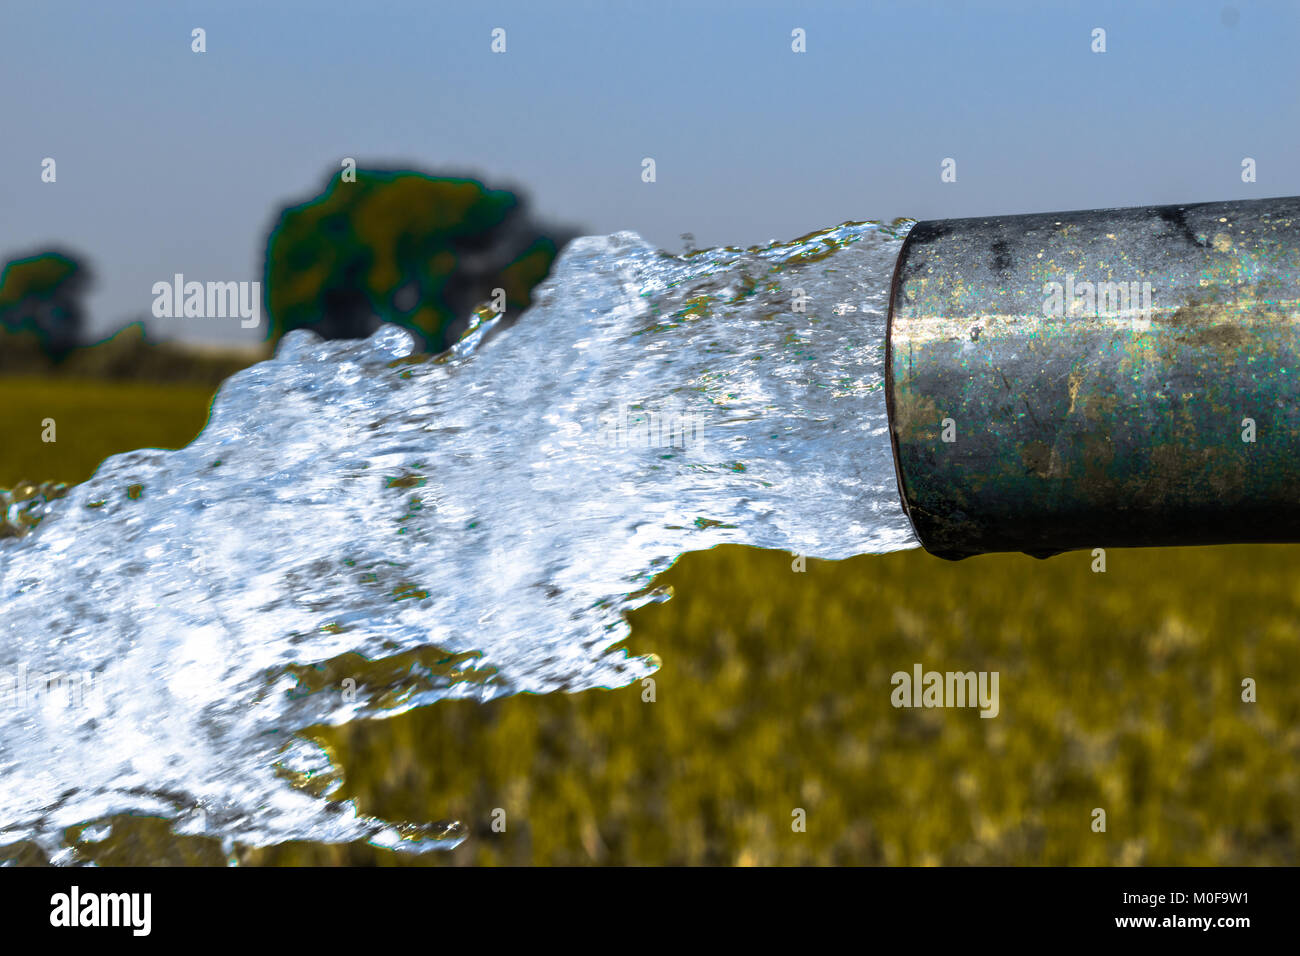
[93, 419]
[1119, 691]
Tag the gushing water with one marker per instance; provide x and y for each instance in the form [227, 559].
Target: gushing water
[483, 519]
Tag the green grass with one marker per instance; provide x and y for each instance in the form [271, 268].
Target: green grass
[92, 421]
[1119, 691]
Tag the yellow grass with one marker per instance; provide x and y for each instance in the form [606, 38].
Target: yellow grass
[92, 421]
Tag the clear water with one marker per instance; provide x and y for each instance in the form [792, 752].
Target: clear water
[490, 514]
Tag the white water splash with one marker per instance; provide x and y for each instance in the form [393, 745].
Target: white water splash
[492, 513]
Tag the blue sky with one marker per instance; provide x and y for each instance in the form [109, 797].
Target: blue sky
[171, 161]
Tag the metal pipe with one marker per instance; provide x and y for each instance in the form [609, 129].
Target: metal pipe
[1105, 378]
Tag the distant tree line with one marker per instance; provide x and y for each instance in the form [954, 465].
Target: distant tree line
[42, 299]
[373, 246]
[407, 248]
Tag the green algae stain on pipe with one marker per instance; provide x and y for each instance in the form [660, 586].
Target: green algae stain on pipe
[1105, 378]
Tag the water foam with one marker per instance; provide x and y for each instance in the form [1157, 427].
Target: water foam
[483, 519]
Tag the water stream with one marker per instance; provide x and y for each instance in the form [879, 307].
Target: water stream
[484, 518]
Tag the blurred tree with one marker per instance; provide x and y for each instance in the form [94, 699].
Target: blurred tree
[42, 296]
[396, 246]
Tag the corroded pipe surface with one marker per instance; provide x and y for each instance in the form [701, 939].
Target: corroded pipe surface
[1119, 377]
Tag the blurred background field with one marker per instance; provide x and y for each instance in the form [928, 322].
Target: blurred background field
[1119, 690]
[93, 419]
